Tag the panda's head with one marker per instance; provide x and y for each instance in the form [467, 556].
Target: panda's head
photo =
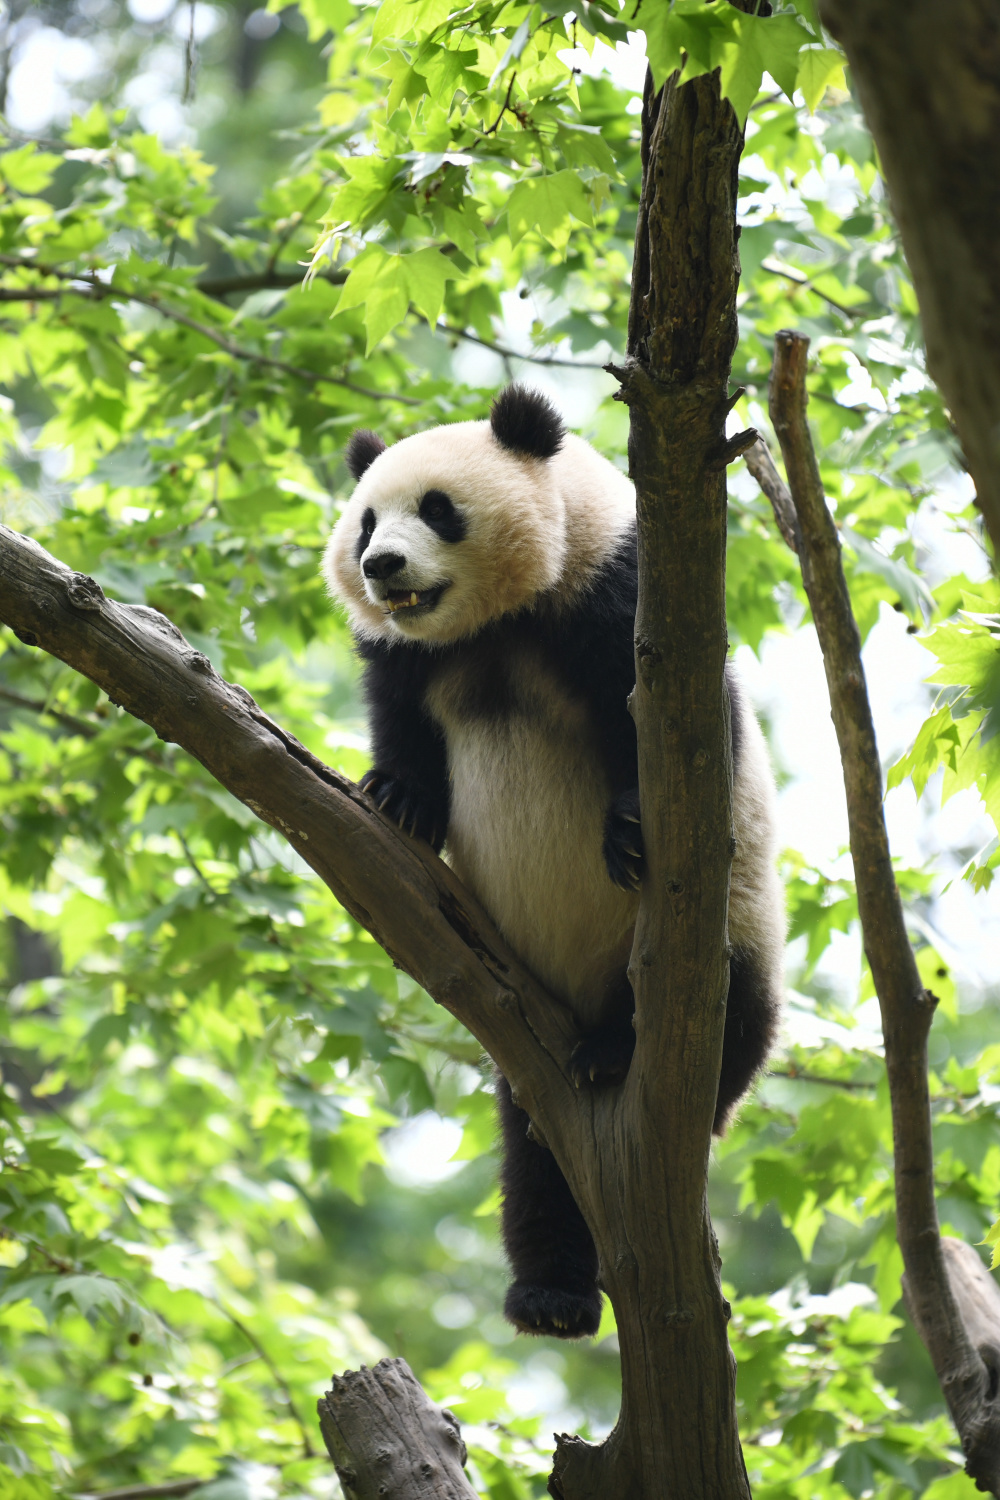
[453, 527]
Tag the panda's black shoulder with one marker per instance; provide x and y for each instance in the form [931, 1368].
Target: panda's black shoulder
[592, 634]
[395, 670]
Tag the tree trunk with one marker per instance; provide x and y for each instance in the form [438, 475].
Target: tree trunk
[928, 77]
[677, 1433]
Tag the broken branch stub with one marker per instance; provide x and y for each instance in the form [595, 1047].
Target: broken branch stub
[388, 1440]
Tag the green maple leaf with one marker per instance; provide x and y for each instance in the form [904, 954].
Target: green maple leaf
[545, 203]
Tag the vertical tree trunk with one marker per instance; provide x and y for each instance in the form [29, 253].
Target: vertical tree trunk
[646, 1202]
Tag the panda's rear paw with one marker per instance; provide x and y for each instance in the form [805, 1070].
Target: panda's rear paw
[406, 807]
[551, 1311]
[603, 1057]
[624, 854]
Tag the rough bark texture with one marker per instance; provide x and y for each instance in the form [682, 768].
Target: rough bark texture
[387, 1439]
[907, 1008]
[928, 77]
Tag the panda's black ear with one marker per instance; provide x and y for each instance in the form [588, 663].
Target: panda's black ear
[526, 422]
[362, 450]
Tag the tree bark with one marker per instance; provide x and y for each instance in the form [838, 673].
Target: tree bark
[387, 1439]
[907, 1008]
[928, 77]
[677, 1369]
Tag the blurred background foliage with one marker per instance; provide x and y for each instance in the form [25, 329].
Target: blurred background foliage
[240, 1150]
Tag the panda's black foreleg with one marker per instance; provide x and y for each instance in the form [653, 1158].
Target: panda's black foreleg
[624, 854]
[751, 1023]
[552, 1255]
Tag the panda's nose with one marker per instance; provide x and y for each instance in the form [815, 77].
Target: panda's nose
[382, 565]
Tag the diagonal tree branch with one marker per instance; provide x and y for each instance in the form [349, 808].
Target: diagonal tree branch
[907, 1008]
[396, 887]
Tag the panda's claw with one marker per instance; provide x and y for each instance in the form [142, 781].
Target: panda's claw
[623, 847]
[602, 1059]
[561, 1313]
[404, 805]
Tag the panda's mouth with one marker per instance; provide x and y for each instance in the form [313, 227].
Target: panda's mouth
[413, 601]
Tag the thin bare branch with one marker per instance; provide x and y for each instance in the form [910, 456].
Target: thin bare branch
[907, 1007]
[308, 1451]
[761, 465]
[171, 1489]
[534, 359]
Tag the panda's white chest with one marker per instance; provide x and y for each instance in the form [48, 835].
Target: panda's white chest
[529, 797]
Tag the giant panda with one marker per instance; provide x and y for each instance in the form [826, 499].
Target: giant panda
[489, 574]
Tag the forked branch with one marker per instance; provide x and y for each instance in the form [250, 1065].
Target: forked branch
[936, 1300]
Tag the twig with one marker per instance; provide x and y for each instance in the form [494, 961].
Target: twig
[78, 726]
[907, 1008]
[308, 1451]
[535, 359]
[800, 279]
[80, 284]
[761, 465]
[171, 1488]
[39, 706]
[190, 56]
[503, 110]
[196, 867]
[834, 1083]
[294, 220]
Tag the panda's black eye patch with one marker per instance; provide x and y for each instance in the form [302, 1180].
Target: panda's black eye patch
[437, 512]
[364, 536]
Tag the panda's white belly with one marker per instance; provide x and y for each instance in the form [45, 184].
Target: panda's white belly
[528, 802]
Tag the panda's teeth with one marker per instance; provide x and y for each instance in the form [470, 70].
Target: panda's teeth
[413, 598]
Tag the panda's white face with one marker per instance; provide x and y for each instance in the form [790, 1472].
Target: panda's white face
[444, 532]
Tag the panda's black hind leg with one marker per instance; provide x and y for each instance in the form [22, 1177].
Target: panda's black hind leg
[751, 1023]
[551, 1252]
[604, 1055]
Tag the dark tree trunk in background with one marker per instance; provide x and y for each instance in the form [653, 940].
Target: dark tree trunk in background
[928, 77]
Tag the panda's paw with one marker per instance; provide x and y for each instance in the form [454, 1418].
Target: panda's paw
[403, 804]
[603, 1057]
[623, 848]
[546, 1310]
